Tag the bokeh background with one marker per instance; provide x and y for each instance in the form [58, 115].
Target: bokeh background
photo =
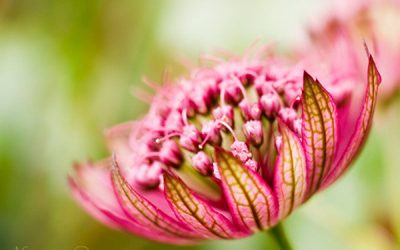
[68, 70]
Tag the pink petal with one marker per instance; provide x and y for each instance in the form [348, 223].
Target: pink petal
[362, 128]
[93, 180]
[290, 173]
[93, 190]
[89, 206]
[250, 199]
[319, 131]
[145, 232]
[140, 210]
[195, 212]
[119, 140]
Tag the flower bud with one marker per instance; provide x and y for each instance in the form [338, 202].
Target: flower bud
[202, 163]
[240, 151]
[210, 88]
[250, 111]
[211, 131]
[291, 94]
[149, 140]
[279, 85]
[233, 93]
[263, 86]
[190, 138]
[247, 78]
[148, 176]
[201, 99]
[182, 102]
[253, 131]
[288, 115]
[270, 104]
[225, 114]
[170, 153]
[174, 121]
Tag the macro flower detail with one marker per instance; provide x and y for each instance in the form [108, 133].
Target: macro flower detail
[319, 131]
[226, 152]
[251, 201]
[290, 181]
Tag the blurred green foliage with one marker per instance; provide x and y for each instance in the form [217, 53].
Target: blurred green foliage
[67, 71]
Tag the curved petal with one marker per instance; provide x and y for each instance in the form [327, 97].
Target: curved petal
[83, 199]
[195, 212]
[93, 180]
[250, 199]
[319, 131]
[140, 210]
[115, 220]
[290, 173]
[362, 128]
[93, 189]
[120, 142]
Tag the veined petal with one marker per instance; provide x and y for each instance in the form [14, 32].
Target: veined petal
[319, 131]
[196, 213]
[92, 186]
[115, 220]
[251, 201]
[290, 173]
[87, 203]
[145, 213]
[363, 125]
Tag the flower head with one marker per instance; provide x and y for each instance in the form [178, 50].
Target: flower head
[229, 151]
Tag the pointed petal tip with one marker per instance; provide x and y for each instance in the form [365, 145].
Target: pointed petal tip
[373, 69]
[308, 81]
[362, 127]
[307, 76]
[319, 132]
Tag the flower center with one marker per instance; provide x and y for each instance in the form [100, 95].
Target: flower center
[234, 106]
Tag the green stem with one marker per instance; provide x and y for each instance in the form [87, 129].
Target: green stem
[279, 235]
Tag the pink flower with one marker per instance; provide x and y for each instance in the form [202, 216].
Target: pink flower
[346, 25]
[252, 140]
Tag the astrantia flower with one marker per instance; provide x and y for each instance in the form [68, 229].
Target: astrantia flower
[347, 25]
[227, 152]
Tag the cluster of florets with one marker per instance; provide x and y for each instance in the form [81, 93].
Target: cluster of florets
[233, 105]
